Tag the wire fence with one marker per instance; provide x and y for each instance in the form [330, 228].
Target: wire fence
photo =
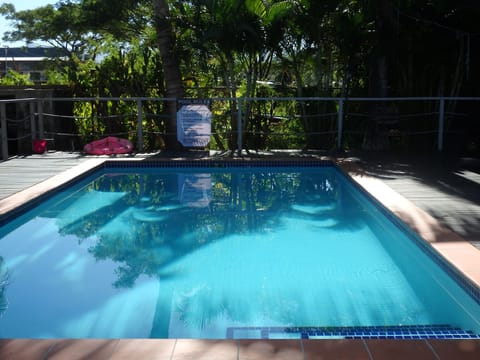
[428, 123]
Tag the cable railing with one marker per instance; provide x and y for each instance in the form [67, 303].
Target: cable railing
[241, 123]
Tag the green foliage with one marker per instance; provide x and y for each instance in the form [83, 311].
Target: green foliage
[15, 78]
[226, 48]
[269, 11]
[55, 77]
[126, 70]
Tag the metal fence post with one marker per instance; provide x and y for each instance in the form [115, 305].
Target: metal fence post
[239, 125]
[340, 123]
[33, 127]
[441, 123]
[41, 131]
[3, 129]
[139, 126]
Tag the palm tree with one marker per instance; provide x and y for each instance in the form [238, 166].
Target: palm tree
[171, 68]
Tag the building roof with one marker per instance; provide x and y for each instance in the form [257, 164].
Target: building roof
[30, 54]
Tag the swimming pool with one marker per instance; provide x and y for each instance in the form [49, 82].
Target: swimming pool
[223, 250]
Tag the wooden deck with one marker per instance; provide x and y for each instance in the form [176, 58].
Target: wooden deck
[447, 189]
[20, 173]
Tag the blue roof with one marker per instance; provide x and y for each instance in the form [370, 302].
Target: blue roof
[33, 52]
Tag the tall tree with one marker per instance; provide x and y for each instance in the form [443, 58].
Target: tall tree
[117, 24]
[379, 78]
[349, 47]
[60, 26]
[78, 26]
[171, 66]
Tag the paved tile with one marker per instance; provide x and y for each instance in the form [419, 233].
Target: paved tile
[456, 349]
[143, 349]
[335, 350]
[91, 349]
[189, 349]
[400, 350]
[23, 349]
[465, 257]
[271, 349]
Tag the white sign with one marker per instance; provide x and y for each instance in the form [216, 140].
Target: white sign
[194, 123]
[195, 189]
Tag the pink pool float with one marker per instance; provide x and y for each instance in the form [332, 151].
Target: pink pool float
[110, 145]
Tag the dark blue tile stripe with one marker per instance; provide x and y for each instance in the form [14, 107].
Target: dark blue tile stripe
[359, 332]
[217, 163]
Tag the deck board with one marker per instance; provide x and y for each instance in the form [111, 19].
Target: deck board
[20, 173]
[448, 190]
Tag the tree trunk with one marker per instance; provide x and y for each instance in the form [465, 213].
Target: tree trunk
[379, 80]
[171, 69]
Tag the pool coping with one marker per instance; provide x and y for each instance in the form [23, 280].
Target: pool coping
[191, 349]
[460, 254]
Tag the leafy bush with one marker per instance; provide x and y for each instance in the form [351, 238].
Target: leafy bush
[14, 78]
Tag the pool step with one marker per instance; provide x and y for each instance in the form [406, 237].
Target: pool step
[354, 332]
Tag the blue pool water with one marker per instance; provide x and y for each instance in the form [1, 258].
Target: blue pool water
[231, 252]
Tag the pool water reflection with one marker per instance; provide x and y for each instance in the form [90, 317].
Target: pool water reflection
[217, 253]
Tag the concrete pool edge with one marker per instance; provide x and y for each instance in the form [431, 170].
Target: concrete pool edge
[183, 349]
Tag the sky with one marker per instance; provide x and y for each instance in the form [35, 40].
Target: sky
[20, 5]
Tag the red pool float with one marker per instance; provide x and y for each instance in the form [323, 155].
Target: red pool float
[39, 146]
[109, 146]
